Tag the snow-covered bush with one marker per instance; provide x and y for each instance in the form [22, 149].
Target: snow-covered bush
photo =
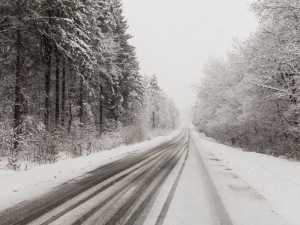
[251, 98]
[6, 139]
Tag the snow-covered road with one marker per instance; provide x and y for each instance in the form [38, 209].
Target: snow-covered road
[185, 179]
[115, 193]
[210, 192]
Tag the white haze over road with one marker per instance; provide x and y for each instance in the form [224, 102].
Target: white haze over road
[174, 38]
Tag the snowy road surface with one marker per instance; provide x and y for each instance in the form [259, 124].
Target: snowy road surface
[176, 182]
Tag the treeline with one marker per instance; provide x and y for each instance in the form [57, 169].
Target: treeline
[65, 66]
[251, 98]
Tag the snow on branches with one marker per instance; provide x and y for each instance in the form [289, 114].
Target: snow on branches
[251, 98]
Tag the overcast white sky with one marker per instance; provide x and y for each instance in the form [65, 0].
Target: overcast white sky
[174, 38]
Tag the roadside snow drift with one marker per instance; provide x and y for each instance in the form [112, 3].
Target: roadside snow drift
[276, 179]
[16, 187]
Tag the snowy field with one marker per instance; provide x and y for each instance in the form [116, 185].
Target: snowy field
[276, 180]
[17, 186]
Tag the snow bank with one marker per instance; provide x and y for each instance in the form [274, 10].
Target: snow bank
[276, 179]
[16, 187]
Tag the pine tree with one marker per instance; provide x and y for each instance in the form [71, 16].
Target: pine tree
[127, 85]
[65, 63]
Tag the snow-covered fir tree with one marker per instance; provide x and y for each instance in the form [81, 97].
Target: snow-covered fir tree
[67, 70]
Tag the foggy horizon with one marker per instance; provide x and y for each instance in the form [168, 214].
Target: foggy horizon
[174, 40]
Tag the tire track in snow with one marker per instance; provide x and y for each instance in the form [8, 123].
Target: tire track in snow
[123, 189]
[221, 211]
[28, 211]
[168, 201]
[171, 164]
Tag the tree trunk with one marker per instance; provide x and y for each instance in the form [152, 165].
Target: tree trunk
[48, 61]
[57, 90]
[81, 106]
[63, 100]
[100, 109]
[72, 79]
[71, 116]
[153, 121]
[18, 85]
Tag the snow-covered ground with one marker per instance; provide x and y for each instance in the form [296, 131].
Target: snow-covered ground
[17, 186]
[272, 179]
[256, 189]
